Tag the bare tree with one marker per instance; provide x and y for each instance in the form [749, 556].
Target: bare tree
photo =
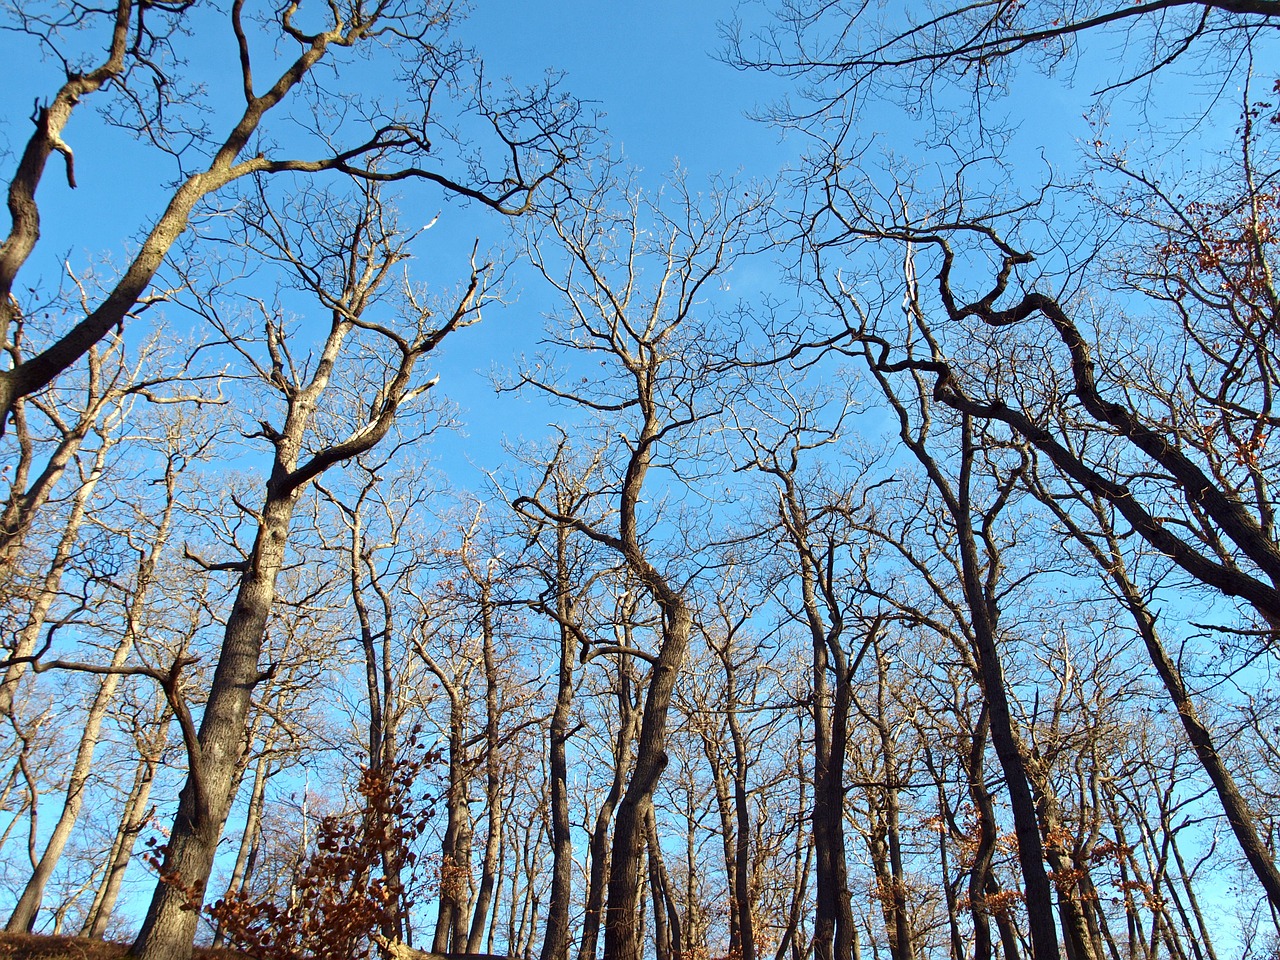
[536, 133]
[1116, 330]
[651, 399]
[343, 259]
[564, 563]
[149, 551]
[850, 55]
[821, 543]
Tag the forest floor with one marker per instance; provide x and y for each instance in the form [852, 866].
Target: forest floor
[31, 946]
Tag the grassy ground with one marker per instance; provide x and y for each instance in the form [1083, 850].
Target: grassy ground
[29, 946]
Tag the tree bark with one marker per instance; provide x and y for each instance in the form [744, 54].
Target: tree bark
[598, 846]
[555, 942]
[455, 847]
[241, 872]
[621, 941]
[493, 776]
[170, 924]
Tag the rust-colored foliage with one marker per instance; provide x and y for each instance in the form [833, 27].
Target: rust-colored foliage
[341, 895]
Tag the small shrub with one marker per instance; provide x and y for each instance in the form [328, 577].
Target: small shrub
[341, 897]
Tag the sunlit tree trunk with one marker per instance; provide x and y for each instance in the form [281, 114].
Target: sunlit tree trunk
[28, 905]
[215, 752]
[133, 818]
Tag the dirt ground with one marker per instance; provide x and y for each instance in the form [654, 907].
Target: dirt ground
[28, 946]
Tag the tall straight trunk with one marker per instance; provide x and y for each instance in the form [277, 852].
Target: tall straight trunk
[980, 873]
[741, 901]
[555, 941]
[132, 819]
[980, 575]
[642, 337]
[1205, 940]
[803, 854]
[886, 856]
[834, 933]
[521, 945]
[1037, 889]
[598, 845]
[1071, 908]
[662, 938]
[833, 929]
[664, 899]
[711, 747]
[948, 830]
[383, 706]
[240, 872]
[455, 847]
[23, 917]
[493, 776]
[1126, 879]
[800, 880]
[24, 913]
[893, 895]
[1010, 936]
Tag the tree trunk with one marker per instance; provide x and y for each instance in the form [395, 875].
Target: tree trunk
[978, 581]
[620, 935]
[741, 902]
[24, 913]
[664, 900]
[555, 942]
[493, 778]
[23, 918]
[598, 846]
[833, 921]
[132, 819]
[170, 925]
[241, 873]
[1071, 909]
[455, 849]
[711, 748]
[894, 897]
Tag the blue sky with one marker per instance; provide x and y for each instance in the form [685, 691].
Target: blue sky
[650, 67]
[651, 70]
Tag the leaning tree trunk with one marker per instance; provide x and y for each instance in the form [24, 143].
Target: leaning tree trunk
[171, 921]
[621, 941]
[24, 913]
[598, 845]
[132, 819]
